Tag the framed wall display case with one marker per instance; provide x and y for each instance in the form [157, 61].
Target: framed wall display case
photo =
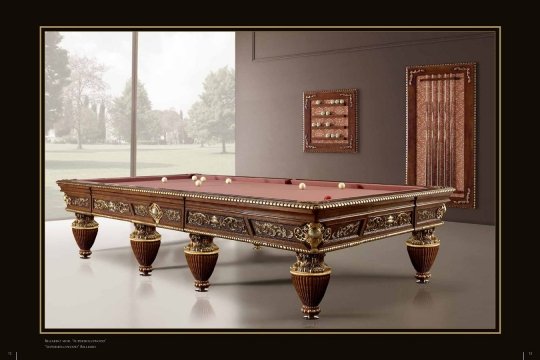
[441, 129]
[330, 121]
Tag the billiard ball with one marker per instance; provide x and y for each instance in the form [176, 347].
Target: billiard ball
[301, 186]
[228, 181]
[341, 185]
[331, 102]
[198, 183]
[203, 179]
[194, 177]
[327, 197]
[341, 101]
[327, 113]
[164, 179]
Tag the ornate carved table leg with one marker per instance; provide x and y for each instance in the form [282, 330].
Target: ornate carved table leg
[201, 255]
[145, 242]
[423, 247]
[85, 230]
[310, 277]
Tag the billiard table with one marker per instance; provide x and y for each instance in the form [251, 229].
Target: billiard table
[273, 212]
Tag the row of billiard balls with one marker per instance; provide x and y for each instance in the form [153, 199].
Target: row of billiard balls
[198, 182]
[302, 186]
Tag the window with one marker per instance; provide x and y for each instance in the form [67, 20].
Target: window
[185, 103]
[185, 106]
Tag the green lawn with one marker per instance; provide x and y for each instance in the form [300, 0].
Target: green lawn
[64, 161]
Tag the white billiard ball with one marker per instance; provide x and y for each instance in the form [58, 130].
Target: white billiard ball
[194, 177]
[198, 182]
[203, 179]
[164, 179]
[327, 136]
[328, 113]
[341, 101]
[341, 185]
[302, 186]
[337, 136]
[318, 102]
[322, 112]
[228, 181]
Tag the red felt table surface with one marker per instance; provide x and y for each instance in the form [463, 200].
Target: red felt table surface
[282, 189]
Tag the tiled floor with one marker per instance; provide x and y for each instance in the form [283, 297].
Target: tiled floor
[372, 285]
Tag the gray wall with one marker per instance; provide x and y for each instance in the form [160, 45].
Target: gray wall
[274, 68]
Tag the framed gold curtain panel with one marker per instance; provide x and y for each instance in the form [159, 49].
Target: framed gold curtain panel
[441, 129]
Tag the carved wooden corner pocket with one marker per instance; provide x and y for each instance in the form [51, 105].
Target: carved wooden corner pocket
[330, 121]
[441, 129]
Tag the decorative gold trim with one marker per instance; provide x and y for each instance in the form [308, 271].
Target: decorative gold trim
[219, 222]
[129, 220]
[144, 233]
[421, 238]
[310, 264]
[271, 230]
[279, 203]
[425, 245]
[412, 74]
[431, 213]
[385, 222]
[200, 252]
[312, 235]
[155, 212]
[466, 201]
[85, 227]
[84, 221]
[467, 69]
[300, 273]
[201, 244]
[146, 240]
[348, 230]
[257, 242]
[77, 201]
[112, 206]
[172, 215]
[140, 210]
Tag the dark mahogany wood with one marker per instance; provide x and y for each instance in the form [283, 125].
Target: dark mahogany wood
[442, 104]
[342, 119]
[310, 229]
[201, 256]
[85, 230]
[85, 239]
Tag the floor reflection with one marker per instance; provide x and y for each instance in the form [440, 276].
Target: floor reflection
[202, 310]
[145, 289]
[85, 268]
[423, 297]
